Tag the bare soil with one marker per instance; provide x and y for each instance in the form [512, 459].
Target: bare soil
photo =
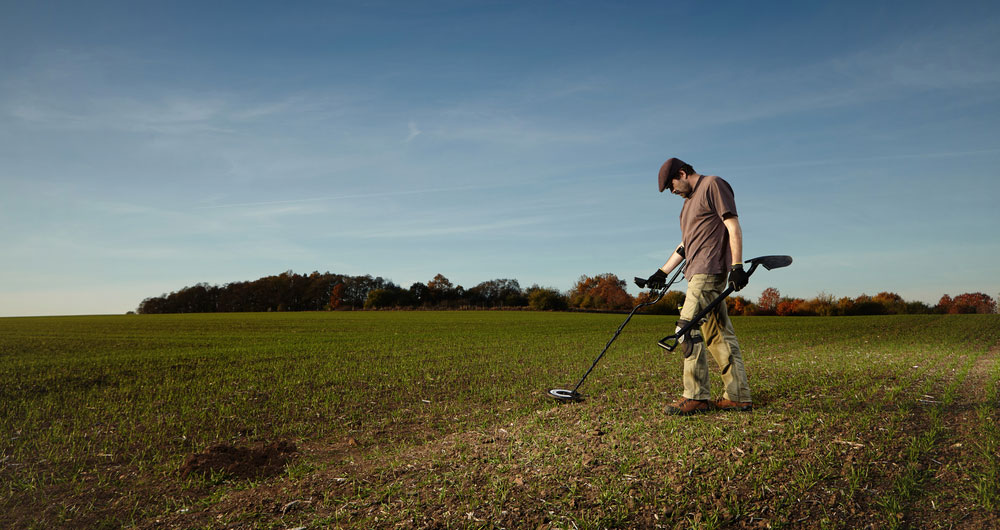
[240, 462]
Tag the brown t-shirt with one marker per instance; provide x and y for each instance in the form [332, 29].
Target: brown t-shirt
[706, 240]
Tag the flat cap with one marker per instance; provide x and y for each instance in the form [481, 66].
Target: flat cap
[668, 171]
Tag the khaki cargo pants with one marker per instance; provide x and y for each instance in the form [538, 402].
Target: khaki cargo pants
[719, 339]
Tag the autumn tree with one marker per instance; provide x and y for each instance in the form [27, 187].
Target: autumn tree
[440, 284]
[336, 295]
[823, 305]
[604, 291]
[968, 303]
[792, 307]
[892, 302]
[865, 305]
[768, 301]
[944, 304]
[738, 305]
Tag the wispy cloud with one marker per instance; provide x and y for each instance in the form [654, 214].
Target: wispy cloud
[447, 228]
[482, 123]
[840, 161]
[932, 61]
[69, 90]
[373, 195]
[268, 108]
[172, 115]
[414, 132]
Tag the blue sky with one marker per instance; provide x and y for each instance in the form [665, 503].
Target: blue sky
[147, 146]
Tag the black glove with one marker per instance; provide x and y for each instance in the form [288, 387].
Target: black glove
[657, 280]
[738, 277]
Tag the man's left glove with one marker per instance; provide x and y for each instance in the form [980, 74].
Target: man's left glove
[738, 277]
[657, 280]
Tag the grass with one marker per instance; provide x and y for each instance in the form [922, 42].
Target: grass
[439, 419]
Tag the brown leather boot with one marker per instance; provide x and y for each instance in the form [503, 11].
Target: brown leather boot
[741, 406]
[686, 407]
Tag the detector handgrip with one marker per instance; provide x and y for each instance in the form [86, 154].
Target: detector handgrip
[669, 343]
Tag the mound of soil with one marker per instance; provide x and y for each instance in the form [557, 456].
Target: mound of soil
[240, 462]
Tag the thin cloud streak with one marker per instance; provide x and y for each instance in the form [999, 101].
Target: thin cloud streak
[414, 132]
[451, 230]
[351, 196]
[840, 161]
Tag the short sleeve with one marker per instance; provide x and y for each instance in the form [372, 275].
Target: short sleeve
[723, 202]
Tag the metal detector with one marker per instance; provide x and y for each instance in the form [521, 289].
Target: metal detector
[572, 395]
[671, 342]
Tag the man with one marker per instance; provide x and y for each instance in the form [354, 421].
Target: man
[712, 242]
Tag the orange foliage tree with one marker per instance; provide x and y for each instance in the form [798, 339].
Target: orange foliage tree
[768, 301]
[967, 303]
[791, 306]
[893, 303]
[737, 305]
[336, 295]
[604, 291]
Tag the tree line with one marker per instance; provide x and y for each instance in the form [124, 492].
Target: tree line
[326, 291]
[885, 303]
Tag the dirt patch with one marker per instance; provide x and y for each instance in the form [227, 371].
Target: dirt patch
[980, 373]
[240, 462]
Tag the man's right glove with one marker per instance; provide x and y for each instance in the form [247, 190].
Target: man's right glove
[738, 277]
[657, 280]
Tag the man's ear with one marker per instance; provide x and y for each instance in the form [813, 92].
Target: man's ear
[681, 174]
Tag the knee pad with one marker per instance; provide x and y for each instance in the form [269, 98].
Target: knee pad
[689, 340]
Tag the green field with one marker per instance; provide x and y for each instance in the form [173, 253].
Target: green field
[439, 419]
